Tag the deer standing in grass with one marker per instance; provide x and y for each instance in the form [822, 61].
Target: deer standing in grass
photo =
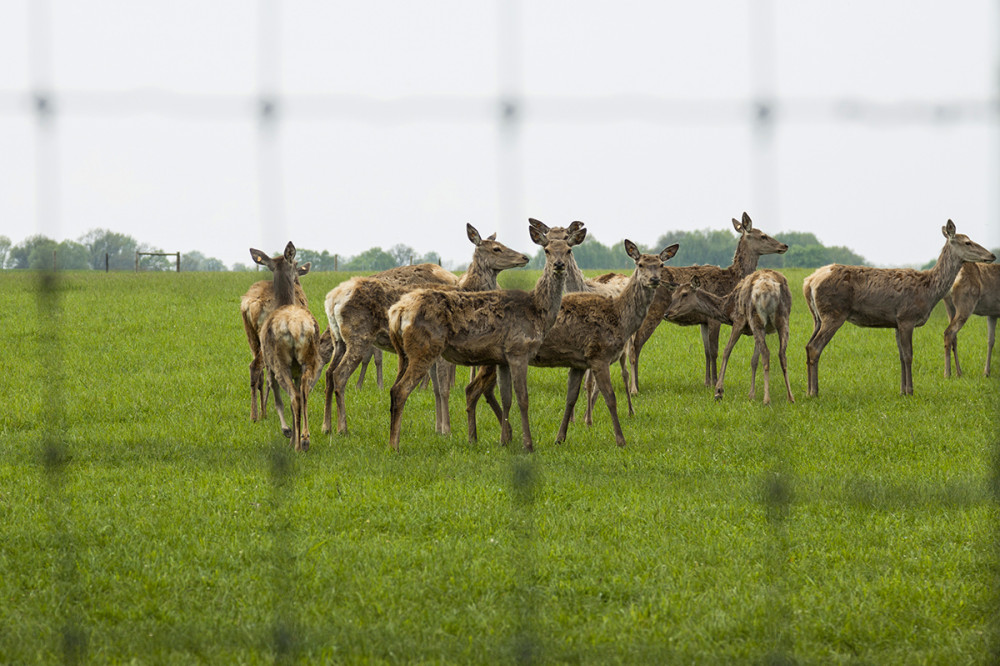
[752, 245]
[358, 314]
[976, 291]
[899, 298]
[759, 304]
[257, 303]
[591, 331]
[290, 346]
[503, 328]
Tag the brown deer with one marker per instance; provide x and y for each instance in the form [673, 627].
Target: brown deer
[899, 298]
[503, 328]
[591, 332]
[759, 304]
[976, 291]
[256, 304]
[290, 345]
[752, 245]
[357, 311]
[419, 274]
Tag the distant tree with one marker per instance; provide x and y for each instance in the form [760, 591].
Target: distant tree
[429, 258]
[5, 246]
[19, 255]
[119, 248]
[43, 253]
[321, 261]
[196, 261]
[374, 259]
[403, 254]
[243, 268]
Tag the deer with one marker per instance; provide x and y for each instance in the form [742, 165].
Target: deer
[752, 245]
[504, 328]
[290, 345]
[591, 331]
[256, 304]
[976, 291]
[357, 311]
[759, 304]
[899, 298]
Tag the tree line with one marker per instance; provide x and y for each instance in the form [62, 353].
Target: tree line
[715, 247]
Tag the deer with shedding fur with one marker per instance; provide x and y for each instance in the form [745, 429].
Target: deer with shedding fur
[976, 291]
[358, 314]
[503, 328]
[591, 331]
[290, 345]
[899, 298]
[759, 304]
[752, 245]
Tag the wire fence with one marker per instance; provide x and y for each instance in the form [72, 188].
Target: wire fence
[777, 496]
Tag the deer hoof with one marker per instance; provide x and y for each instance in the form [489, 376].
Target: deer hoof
[304, 445]
[287, 432]
[718, 395]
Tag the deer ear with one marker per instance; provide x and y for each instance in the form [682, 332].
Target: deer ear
[669, 252]
[576, 236]
[574, 225]
[304, 268]
[473, 235]
[696, 282]
[747, 224]
[261, 258]
[289, 252]
[538, 237]
[632, 250]
[538, 224]
[492, 236]
[949, 230]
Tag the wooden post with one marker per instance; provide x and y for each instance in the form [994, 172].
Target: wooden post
[335, 257]
[137, 261]
[107, 263]
[178, 262]
[53, 260]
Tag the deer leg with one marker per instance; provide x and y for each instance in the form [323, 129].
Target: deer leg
[503, 379]
[904, 340]
[279, 404]
[603, 375]
[412, 372]
[951, 343]
[364, 368]
[814, 348]
[737, 331]
[338, 354]
[782, 357]
[623, 362]
[377, 357]
[442, 392]
[482, 383]
[991, 329]
[590, 386]
[519, 380]
[753, 371]
[255, 387]
[304, 431]
[760, 340]
[573, 382]
[712, 350]
[341, 374]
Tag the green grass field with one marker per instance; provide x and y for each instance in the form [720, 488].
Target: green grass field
[144, 519]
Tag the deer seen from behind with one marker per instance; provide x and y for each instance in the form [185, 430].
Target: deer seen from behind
[976, 291]
[752, 244]
[899, 298]
[759, 304]
[503, 328]
[290, 345]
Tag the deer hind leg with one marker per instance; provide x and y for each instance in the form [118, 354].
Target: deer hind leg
[377, 358]
[623, 362]
[951, 343]
[573, 382]
[782, 356]
[412, 371]
[341, 374]
[482, 383]
[504, 381]
[760, 347]
[364, 368]
[991, 329]
[602, 374]
[590, 388]
[255, 389]
[279, 403]
[733, 338]
[904, 340]
[441, 374]
[519, 379]
[814, 348]
[339, 349]
[710, 340]
[753, 371]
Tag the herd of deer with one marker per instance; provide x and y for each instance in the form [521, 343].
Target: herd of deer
[433, 320]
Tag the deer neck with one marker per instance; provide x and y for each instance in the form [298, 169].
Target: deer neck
[547, 294]
[284, 290]
[744, 260]
[574, 278]
[943, 273]
[479, 276]
[633, 303]
[719, 308]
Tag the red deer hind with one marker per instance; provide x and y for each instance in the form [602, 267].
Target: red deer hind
[503, 328]
[899, 298]
[290, 346]
[759, 304]
[976, 291]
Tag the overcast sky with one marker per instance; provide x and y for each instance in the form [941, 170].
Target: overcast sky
[636, 117]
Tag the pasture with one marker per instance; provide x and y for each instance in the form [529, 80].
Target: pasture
[145, 519]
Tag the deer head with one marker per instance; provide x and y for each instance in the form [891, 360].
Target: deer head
[647, 266]
[964, 247]
[757, 241]
[492, 254]
[286, 272]
[574, 234]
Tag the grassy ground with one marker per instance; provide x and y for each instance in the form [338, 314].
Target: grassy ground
[144, 519]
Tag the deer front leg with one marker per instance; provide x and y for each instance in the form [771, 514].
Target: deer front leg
[904, 340]
[991, 328]
[710, 341]
[625, 379]
[951, 343]
[602, 373]
[503, 379]
[572, 393]
[442, 392]
[339, 349]
[519, 379]
[814, 348]
[737, 329]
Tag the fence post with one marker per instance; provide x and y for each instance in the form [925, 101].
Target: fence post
[335, 262]
[137, 261]
[107, 263]
[178, 262]
[54, 260]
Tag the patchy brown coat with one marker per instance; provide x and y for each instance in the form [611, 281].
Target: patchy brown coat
[899, 298]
